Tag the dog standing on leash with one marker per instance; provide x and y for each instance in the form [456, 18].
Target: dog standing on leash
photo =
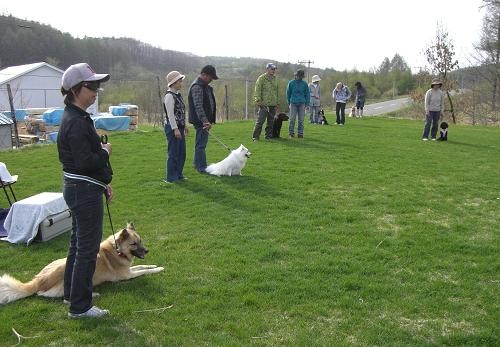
[277, 123]
[113, 264]
[443, 132]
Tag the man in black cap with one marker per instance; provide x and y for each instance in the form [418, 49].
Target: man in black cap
[202, 108]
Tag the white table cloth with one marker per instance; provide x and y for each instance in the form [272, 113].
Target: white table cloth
[26, 215]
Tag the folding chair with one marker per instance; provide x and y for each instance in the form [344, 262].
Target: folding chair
[7, 181]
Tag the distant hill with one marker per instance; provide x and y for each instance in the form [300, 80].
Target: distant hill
[25, 42]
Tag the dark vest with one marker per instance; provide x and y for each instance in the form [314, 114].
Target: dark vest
[179, 109]
[208, 92]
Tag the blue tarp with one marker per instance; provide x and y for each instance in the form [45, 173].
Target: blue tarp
[20, 114]
[112, 123]
[118, 110]
[52, 137]
[53, 116]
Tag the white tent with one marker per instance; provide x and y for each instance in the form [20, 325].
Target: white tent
[35, 85]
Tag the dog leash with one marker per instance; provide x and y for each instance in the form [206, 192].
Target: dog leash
[218, 140]
[104, 140]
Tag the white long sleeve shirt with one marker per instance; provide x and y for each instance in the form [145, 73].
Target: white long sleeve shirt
[169, 106]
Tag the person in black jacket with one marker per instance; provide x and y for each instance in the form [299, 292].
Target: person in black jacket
[87, 175]
[202, 108]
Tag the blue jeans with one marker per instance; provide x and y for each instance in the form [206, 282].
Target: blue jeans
[85, 200]
[431, 118]
[300, 111]
[176, 154]
[200, 144]
[313, 116]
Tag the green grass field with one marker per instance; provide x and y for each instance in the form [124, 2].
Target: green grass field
[357, 235]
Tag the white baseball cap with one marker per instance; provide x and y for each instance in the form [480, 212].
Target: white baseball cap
[81, 72]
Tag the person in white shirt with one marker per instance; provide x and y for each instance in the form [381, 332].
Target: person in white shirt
[434, 109]
[175, 127]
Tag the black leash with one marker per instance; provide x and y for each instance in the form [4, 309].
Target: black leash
[218, 140]
[104, 140]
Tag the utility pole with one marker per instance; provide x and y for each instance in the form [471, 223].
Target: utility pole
[308, 62]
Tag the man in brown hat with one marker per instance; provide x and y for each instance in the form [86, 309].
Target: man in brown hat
[434, 109]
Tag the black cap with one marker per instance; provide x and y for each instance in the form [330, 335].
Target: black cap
[210, 70]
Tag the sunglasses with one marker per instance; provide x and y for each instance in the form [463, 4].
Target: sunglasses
[95, 86]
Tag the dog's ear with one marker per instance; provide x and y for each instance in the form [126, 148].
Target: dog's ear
[130, 226]
[124, 234]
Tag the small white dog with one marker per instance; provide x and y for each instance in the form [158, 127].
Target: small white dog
[232, 164]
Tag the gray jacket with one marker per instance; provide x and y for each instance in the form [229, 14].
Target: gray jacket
[315, 91]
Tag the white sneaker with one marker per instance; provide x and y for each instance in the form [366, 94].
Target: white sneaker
[425, 139]
[93, 312]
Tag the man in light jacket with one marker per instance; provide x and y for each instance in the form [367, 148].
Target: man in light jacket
[315, 103]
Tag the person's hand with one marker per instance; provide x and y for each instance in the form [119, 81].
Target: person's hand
[107, 147]
[177, 134]
[207, 126]
[186, 131]
[109, 193]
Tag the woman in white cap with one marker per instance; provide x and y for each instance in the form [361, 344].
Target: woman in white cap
[87, 175]
[175, 127]
[434, 108]
[315, 102]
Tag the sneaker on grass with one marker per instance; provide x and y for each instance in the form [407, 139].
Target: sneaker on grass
[93, 312]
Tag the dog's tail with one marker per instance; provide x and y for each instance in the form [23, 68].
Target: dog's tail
[12, 289]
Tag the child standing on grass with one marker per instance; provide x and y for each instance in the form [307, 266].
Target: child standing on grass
[175, 127]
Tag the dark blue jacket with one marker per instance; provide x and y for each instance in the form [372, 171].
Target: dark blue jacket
[200, 110]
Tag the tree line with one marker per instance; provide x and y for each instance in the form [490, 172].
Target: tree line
[136, 67]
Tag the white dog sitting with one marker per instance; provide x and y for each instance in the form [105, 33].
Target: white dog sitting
[232, 164]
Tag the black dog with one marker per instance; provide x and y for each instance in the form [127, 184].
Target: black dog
[321, 117]
[277, 123]
[443, 133]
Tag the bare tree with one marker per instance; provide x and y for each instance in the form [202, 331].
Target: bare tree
[440, 58]
[488, 50]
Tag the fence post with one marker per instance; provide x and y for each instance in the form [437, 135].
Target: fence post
[226, 102]
[246, 99]
[13, 114]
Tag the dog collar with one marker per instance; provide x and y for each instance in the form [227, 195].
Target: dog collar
[120, 254]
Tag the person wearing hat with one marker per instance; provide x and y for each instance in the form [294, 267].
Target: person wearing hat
[202, 111]
[298, 97]
[360, 98]
[315, 102]
[87, 177]
[434, 109]
[175, 127]
[266, 99]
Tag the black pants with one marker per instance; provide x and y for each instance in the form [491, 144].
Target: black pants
[85, 200]
[340, 112]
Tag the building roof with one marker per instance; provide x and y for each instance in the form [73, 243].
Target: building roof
[13, 72]
[5, 120]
